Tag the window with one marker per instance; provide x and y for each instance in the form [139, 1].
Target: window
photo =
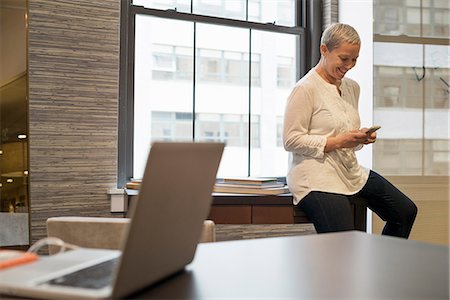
[412, 18]
[285, 71]
[171, 63]
[413, 88]
[220, 73]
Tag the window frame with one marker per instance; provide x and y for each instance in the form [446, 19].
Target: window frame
[308, 32]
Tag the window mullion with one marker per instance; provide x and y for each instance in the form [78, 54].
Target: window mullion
[194, 78]
[249, 102]
[172, 14]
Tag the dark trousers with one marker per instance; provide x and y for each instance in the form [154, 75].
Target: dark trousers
[332, 212]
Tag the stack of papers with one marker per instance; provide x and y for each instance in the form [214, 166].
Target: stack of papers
[134, 184]
[239, 185]
[251, 185]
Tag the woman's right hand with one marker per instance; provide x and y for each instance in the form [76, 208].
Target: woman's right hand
[346, 140]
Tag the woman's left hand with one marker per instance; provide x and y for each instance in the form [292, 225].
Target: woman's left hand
[370, 138]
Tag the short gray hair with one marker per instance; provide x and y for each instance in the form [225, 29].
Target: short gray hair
[338, 33]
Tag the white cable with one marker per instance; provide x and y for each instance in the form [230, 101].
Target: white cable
[51, 241]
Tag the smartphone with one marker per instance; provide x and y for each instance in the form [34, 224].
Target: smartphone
[372, 129]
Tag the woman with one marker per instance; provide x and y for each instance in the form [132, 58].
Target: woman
[322, 132]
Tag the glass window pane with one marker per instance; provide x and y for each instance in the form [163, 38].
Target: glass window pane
[235, 9]
[419, 96]
[254, 10]
[412, 17]
[179, 5]
[437, 111]
[285, 12]
[397, 156]
[280, 12]
[398, 95]
[268, 100]
[436, 19]
[389, 17]
[437, 157]
[222, 91]
[163, 84]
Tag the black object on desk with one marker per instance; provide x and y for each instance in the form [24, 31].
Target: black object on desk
[345, 265]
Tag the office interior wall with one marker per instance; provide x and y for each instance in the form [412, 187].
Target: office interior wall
[73, 52]
[431, 195]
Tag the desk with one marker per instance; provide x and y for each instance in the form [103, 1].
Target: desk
[345, 265]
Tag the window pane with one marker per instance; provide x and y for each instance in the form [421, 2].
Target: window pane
[179, 5]
[268, 100]
[254, 10]
[163, 84]
[419, 97]
[412, 17]
[282, 12]
[398, 95]
[437, 83]
[235, 9]
[389, 16]
[397, 156]
[397, 78]
[437, 112]
[222, 93]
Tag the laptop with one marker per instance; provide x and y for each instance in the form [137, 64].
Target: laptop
[166, 224]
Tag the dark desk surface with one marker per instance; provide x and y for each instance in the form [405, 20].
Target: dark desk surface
[346, 265]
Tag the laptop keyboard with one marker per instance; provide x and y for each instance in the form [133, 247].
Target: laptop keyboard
[94, 277]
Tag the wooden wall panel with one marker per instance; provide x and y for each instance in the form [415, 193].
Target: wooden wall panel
[330, 12]
[73, 61]
[431, 194]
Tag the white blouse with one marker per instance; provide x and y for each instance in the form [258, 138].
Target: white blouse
[315, 111]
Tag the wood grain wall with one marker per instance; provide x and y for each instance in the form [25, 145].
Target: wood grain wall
[431, 194]
[330, 12]
[73, 61]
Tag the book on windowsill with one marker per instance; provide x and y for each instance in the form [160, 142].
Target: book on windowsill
[220, 188]
[250, 186]
[245, 185]
[254, 181]
[134, 184]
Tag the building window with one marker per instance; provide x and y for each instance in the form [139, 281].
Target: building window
[280, 131]
[227, 128]
[285, 71]
[412, 18]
